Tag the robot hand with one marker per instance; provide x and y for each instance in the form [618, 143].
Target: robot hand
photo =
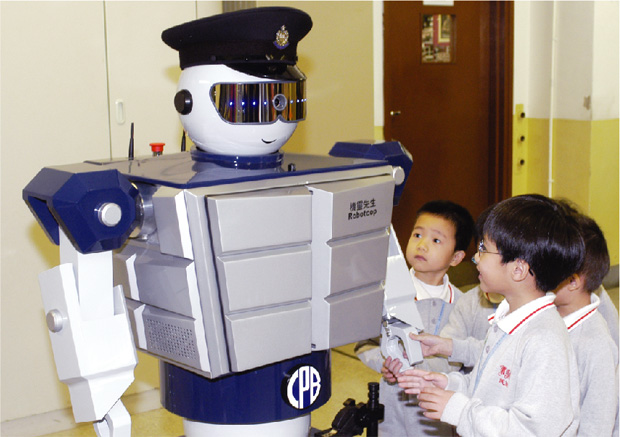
[396, 343]
[400, 316]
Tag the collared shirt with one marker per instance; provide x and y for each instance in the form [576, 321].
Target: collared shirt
[527, 361]
[426, 291]
[510, 322]
[574, 319]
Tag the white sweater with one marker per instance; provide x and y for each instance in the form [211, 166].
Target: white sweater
[525, 382]
[597, 357]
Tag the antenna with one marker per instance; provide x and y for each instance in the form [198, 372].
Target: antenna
[131, 144]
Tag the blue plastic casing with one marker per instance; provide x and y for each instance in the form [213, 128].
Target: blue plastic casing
[72, 201]
[391, 151]
[70, 196]
[255, 396]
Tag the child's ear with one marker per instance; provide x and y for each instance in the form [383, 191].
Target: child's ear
[520, 270]
[575, 282]
[457, 258]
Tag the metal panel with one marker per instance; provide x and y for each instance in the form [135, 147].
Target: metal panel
[350, 221]
[213, 323]
[269, 335]
[158, 279]
[172, 223]
[358, 261]
[358, 206]
[366, 306]
[258, 279]
[261, 243]
[260, 219]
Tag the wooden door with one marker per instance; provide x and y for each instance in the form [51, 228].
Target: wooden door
[448, 98]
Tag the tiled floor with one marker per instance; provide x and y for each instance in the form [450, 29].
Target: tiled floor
[350, 379]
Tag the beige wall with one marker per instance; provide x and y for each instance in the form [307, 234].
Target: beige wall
[568, 91]
[604, 182]
[41, 89]
[337, 58]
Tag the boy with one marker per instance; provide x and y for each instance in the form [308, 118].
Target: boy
[469, 320]
[525, 381]
[441, 234]
[463, 336]
[596, 352]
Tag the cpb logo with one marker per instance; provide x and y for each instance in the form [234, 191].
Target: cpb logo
[303, 387]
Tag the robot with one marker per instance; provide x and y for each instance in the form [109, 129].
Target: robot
[236, 265]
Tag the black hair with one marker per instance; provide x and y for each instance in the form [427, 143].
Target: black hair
[596, 261]
[539, 231]
[479, 235]
[457, 215]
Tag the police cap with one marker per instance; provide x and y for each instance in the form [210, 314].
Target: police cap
[253, 40]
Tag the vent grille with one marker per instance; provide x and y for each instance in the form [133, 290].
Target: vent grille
[170, 340]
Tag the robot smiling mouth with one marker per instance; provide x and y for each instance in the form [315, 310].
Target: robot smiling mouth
[267, 142]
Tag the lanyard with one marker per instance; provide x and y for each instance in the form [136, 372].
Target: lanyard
[481, 368]
[443, 305]
[443, 302]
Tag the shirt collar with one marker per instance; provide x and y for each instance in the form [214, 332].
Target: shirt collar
[446, 294]
[576, 318]
[510, 323]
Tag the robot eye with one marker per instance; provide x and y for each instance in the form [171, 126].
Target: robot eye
[279, 102]
[183, 102]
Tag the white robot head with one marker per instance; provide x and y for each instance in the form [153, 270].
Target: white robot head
[228, 112]
[240, 92]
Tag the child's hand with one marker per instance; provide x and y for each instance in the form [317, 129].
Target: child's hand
[433, 344]
[414, 380]
[434, 401]
[391, 369]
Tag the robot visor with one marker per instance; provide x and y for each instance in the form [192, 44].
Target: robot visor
[260, 103]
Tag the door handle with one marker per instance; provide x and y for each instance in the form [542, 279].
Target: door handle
[394, 113]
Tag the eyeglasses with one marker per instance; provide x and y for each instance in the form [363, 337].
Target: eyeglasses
[482, 249]
[260, 103]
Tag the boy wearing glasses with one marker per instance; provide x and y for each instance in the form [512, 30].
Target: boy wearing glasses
[469, 320]
[441, 234]
[525, 381]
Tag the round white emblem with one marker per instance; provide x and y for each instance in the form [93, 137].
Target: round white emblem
[303, 387]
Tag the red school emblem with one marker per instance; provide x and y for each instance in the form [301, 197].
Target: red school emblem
[504, 375]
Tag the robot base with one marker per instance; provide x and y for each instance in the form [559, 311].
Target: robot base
[299, 426]
[273, 400]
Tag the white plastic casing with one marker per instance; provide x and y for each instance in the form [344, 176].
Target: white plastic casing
[210, 132]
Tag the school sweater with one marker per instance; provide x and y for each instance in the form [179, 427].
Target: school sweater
[609, 311]
[403, 416]
[469, 316]
[525, 382]
[597, 358]
[468, 325]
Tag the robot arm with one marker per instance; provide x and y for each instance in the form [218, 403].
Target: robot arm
[400, 315]
[91, 337]
[87, 215]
